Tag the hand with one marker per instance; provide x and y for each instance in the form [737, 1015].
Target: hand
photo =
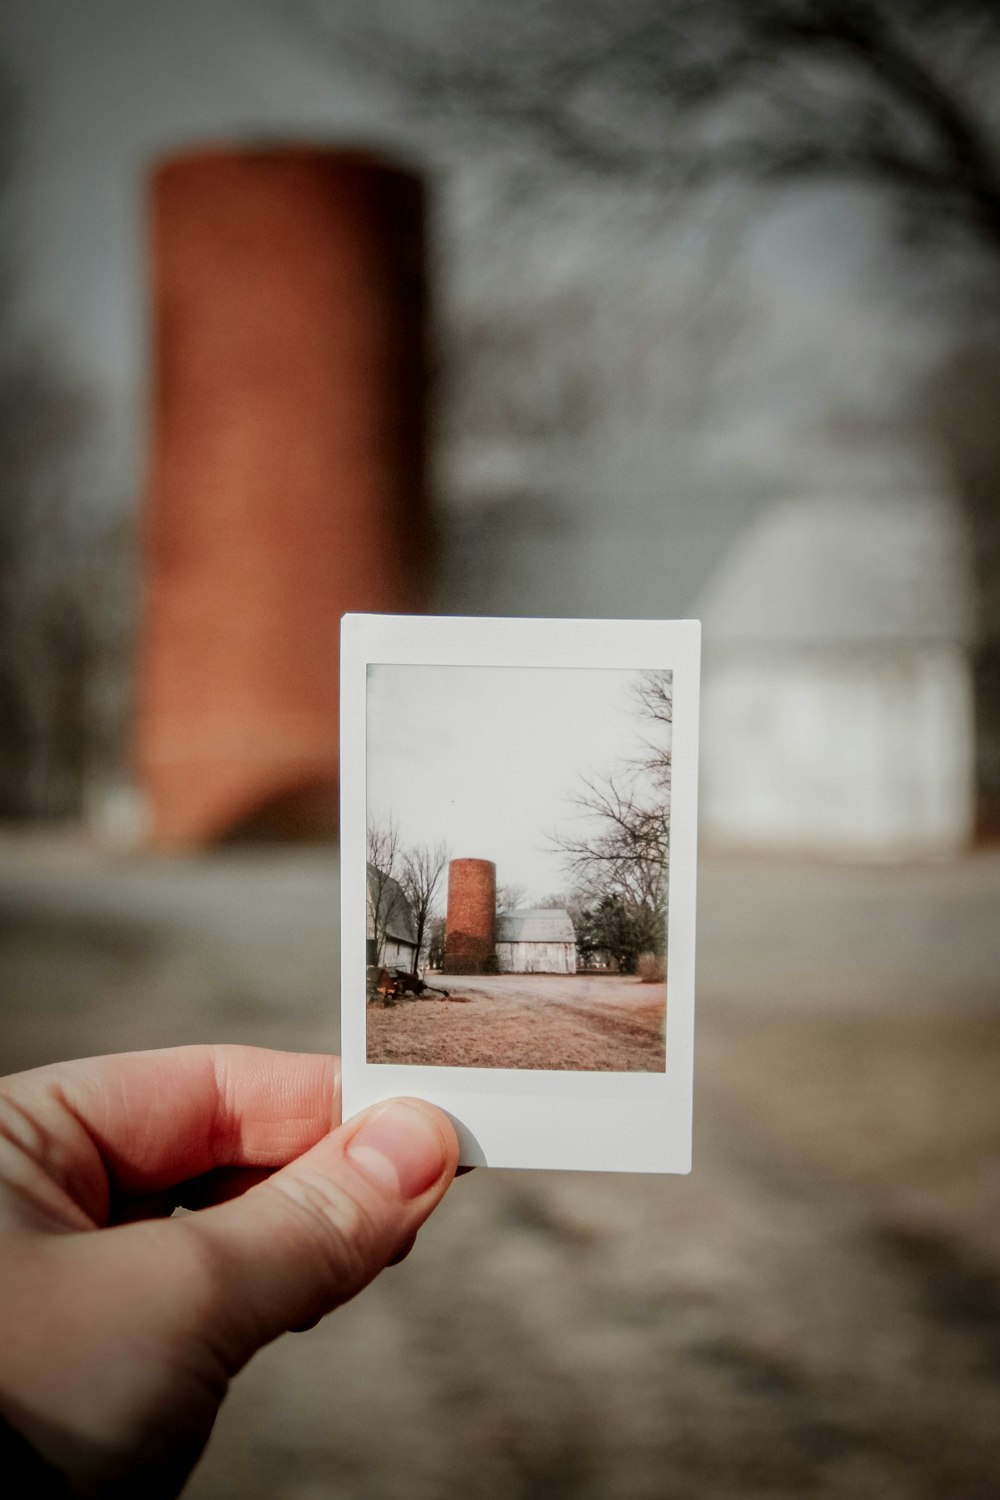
[120, 1327]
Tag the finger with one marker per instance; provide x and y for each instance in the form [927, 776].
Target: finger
[319, 1230]
[140, 1122]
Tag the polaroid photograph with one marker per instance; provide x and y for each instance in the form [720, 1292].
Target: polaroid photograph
[518, 868]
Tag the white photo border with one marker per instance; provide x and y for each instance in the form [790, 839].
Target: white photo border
[513, 1117]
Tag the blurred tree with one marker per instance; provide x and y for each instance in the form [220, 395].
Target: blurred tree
[681, 93]
[669, 97]
[958, 407]
[47, 637]
[44, 646]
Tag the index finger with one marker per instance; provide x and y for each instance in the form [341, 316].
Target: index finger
[148, 1120]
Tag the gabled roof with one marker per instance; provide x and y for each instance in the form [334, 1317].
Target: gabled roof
[395, 909]
[536, 924]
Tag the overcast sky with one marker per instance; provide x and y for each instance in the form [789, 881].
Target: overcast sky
[486, 758]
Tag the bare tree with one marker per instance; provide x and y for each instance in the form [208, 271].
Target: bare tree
[510, 897]
[654, 698]
[623, 846]
[421, 872]
[435, 943]
[383, 869]
[616, 847]
[567, 901]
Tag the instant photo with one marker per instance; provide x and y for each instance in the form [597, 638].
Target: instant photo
[517, 865]
[518, 830]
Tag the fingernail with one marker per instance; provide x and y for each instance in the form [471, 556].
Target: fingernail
[400, 1149]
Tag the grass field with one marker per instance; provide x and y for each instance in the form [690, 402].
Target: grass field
[608, 1023]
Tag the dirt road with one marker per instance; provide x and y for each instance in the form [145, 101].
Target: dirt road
[815, 1312]
[581, 1022]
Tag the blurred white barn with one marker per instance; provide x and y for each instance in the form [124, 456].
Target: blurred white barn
[830, 571]
[837, 703]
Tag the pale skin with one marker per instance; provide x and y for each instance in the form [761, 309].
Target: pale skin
[121, 1326]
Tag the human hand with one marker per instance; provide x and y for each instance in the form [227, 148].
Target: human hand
[120, 1327]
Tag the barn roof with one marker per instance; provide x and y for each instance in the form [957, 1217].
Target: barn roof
[536, 924]
[395, 909]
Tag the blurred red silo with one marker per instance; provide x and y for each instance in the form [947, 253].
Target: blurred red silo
[287, 477]
[470, 925]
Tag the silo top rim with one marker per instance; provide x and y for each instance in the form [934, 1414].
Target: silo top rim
[279, 153]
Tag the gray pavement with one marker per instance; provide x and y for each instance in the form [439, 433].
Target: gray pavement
[815, 1311]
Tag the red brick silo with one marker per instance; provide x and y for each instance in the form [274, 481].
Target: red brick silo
[470, 926]
[287, 477]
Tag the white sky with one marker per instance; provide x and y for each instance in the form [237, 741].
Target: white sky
[486, 758]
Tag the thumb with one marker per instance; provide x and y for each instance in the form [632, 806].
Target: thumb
[311, 1236]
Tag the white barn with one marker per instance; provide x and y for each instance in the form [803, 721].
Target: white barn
[399, 930]
[536, 941]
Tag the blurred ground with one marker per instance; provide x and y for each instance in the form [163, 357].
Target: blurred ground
[815, 1311]
[583, 1022]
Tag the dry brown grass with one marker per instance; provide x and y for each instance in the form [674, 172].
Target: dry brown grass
[652, 968]
[579, 1023]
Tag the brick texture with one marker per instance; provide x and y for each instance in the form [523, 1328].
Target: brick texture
[470, 926]
[287, 473]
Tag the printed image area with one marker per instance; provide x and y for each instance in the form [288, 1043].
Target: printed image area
[518, 829]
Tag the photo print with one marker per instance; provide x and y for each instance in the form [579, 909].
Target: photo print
[518, 854]
[517, 866]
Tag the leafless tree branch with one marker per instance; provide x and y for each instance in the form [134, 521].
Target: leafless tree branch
[382, 839]
[421, 873]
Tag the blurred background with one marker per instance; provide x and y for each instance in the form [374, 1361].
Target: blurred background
[653, 308]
